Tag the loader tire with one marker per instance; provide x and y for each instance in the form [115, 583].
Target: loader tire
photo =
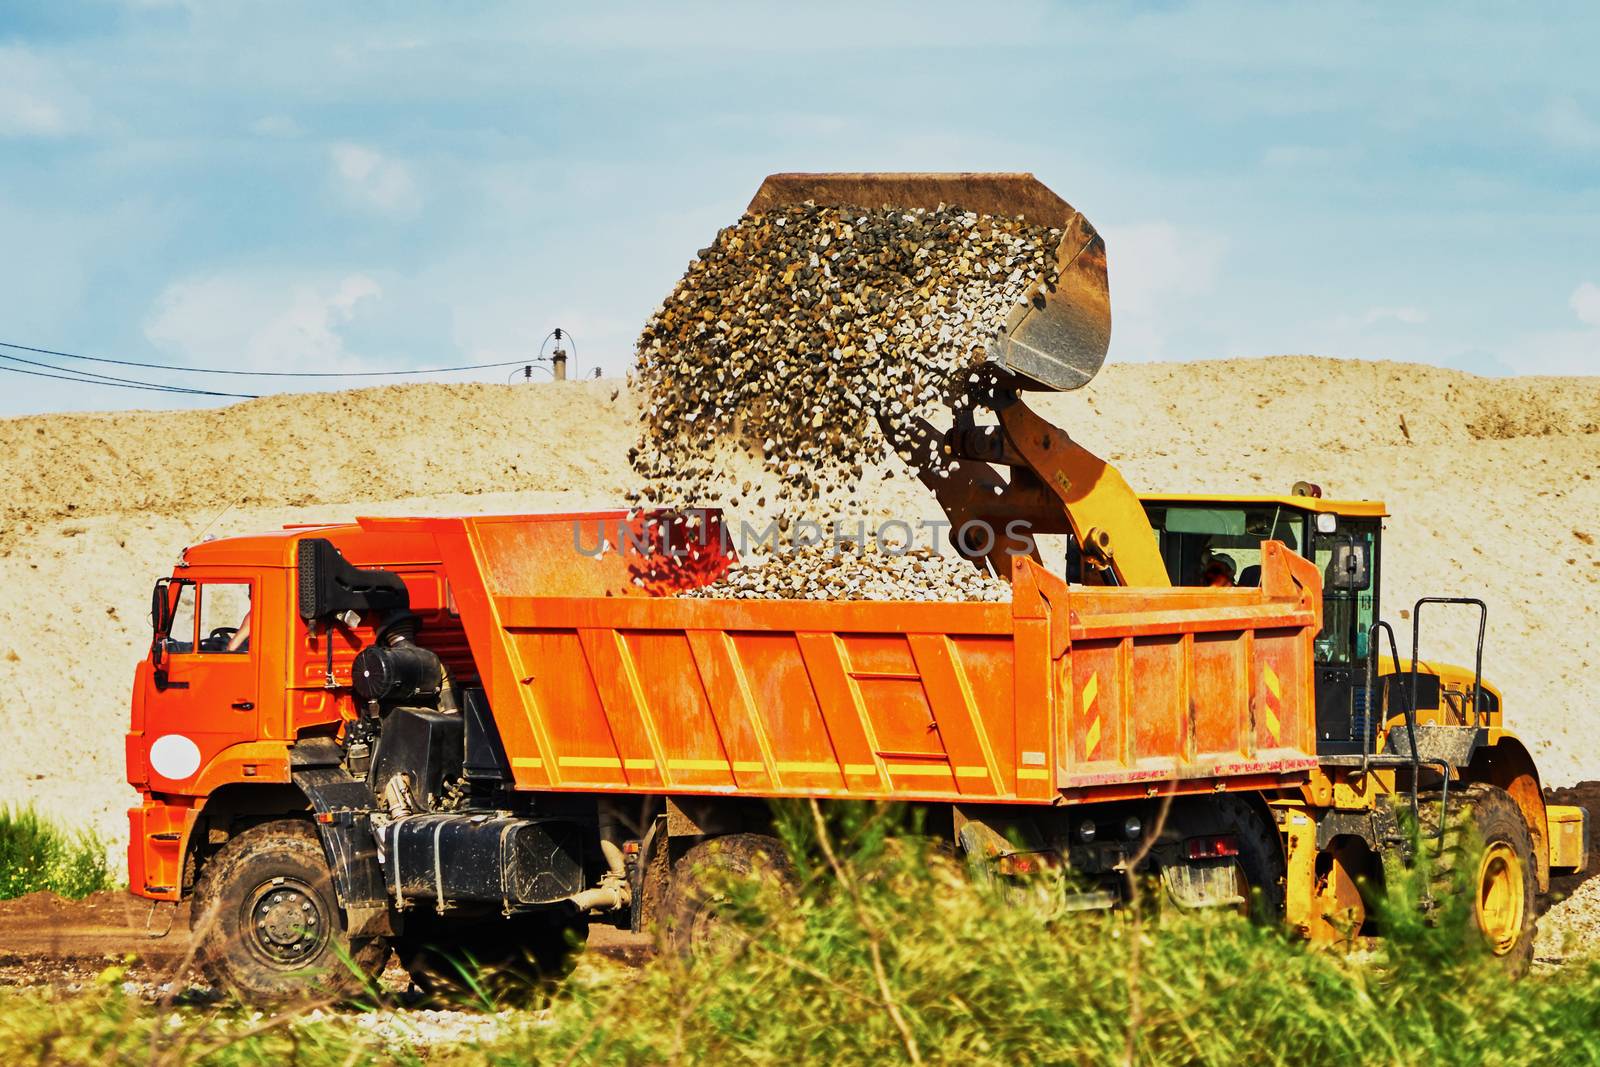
[491, 957]
[1487, 851]
[268, 926]
[696, 908]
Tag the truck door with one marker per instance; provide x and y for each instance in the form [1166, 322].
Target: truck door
[204, 688]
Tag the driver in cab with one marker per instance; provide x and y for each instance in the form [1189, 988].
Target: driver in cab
[240, 641]
[1218, 573]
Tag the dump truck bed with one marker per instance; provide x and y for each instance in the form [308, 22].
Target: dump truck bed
[599, 683]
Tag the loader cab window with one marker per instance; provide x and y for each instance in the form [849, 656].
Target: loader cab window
[1194, 538]
[210, 618]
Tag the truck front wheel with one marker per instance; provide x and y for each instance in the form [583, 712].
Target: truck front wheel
[268, 925]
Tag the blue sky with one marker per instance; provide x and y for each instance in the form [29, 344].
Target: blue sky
[372, 186]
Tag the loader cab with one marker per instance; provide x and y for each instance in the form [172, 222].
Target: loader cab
[1343, 538]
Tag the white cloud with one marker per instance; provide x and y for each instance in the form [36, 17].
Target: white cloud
[1563, 351]
[275, 126]
[375, 181]
[1158, 270]
[1585, 303]
[1311, 157]
[1408, 316]
[261, 323]
[1555, 352]
[35, 99]
[1565, 124]
[1155, 260]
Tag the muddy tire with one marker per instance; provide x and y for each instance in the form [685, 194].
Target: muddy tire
[1260, 858]
[1488, 852]
[696, 904]
[469, 959]
[268, 925]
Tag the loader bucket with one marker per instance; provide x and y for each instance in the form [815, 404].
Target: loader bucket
[1058, 337]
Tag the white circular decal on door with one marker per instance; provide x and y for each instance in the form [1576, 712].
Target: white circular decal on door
[174, 756]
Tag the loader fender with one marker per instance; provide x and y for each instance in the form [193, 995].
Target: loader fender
[343, 809]
[1506, 763]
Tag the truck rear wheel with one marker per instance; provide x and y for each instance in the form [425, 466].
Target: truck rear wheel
[1489, 835]
[268, 924]
[696, 904]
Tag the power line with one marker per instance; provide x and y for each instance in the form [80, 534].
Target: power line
[263, 373]
[127, 385]
[96, 378]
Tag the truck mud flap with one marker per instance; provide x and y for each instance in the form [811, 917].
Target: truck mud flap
[343, 808]
[1212, 885]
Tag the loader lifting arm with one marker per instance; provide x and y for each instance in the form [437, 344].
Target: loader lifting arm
[1056, 486]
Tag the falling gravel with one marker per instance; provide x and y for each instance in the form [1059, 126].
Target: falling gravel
[815, 336]
[847, 572]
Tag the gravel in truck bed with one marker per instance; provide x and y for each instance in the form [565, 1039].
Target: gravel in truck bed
[796, 331]
[821, 572]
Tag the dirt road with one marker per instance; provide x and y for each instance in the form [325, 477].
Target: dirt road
[48, 941]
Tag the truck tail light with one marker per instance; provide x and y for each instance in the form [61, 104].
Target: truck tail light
[1215, 847]
[1022, 863]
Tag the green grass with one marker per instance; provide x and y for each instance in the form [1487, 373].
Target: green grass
[35, 854]
[905, 957]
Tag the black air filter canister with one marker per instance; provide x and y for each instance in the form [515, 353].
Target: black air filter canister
[396, 673]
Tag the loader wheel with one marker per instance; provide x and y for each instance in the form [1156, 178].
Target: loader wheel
[1488, 834]
[268, 925]
[698, 925]
[489, 957]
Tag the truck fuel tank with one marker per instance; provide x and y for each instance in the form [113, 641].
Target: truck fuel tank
[481, 857]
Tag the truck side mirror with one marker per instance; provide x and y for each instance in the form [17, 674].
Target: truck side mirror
[161, 607]
[1348, 569]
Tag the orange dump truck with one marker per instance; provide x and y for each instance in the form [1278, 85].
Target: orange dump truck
[350, 735]
[439, 735]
